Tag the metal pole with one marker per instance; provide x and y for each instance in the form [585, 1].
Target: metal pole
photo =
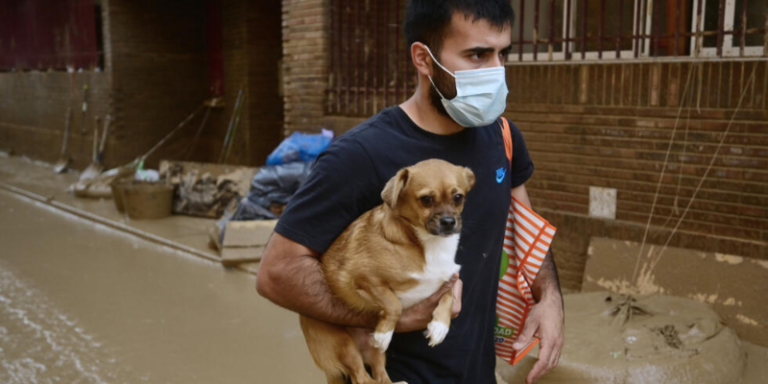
[331, 63]
[699, 14]
[358, 57]
[348, 46]
[366, 40]
[567, 29]
[535, 29]
[743, 42]
[765, 39]
[600, 31]
[637, 38]
[407, 63]
[405, 58]
[655, 28]
[551, 47]
[339, 47]
[584, 31]
[386, 53]
[618, 33]
[720, 28]
[376, 58]
[679, 5]
[397, 50]
[522, 23]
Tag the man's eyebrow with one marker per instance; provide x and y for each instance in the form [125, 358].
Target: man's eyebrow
[479, 50]
[482, 50]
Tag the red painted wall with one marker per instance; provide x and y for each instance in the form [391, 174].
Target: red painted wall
[43, 34]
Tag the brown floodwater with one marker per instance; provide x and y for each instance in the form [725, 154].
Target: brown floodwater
[82, 303]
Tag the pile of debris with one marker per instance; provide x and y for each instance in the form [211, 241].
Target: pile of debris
[245, 201]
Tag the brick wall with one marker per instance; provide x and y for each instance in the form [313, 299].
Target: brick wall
[305, 50]
[156, 74]
[610, 125]
[33, 108]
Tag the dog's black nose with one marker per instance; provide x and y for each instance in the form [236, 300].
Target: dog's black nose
[447, 222]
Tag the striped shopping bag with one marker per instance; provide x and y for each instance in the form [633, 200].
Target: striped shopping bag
[526, 241]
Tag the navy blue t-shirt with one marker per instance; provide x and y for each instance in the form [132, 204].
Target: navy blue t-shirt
[347, 181]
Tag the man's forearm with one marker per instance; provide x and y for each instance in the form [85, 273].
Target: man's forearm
[301, 287]
[547, 282]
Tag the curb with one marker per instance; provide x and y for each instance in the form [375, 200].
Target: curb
[109, 223]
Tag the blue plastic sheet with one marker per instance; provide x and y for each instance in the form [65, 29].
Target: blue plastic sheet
[300, 147]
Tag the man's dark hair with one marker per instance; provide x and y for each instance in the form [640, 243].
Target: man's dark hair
[428, 21]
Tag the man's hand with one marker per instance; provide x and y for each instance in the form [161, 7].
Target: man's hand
[545, 322]
[418, 316]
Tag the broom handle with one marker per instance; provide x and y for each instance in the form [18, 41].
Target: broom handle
[107, 120]
[234, 132]
[227, 137]
[66, 132]
[95, 142]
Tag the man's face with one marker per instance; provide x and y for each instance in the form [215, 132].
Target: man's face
[468, 44]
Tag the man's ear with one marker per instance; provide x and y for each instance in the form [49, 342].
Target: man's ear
[470, 177]
[395, 185]
[421, 59]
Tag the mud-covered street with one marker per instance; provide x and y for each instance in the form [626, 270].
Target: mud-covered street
[83, 303]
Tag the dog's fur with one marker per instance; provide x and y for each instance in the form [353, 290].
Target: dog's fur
[389, 259]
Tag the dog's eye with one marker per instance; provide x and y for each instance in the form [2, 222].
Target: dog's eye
[458, 199]
[427, 201]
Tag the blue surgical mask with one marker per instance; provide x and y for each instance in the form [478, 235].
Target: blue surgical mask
[481, 95]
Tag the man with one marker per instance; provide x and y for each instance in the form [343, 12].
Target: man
[445, 36]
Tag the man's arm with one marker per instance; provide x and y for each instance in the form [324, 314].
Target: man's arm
[547, 283]
[545, 320]
[290, 275]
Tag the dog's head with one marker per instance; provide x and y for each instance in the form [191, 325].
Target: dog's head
[430, 195]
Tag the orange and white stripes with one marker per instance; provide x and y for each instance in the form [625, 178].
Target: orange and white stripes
[526, 241]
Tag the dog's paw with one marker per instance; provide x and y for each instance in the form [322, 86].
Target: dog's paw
[381, 340]
[436, 332]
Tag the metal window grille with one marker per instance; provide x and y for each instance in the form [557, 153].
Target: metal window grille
[550, 30]
[370, 67]
[369, 64]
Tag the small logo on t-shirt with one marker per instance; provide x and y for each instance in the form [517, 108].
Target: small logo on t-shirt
[500, 173]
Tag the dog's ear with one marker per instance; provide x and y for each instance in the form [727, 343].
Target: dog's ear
[394, 187]
[470, 177]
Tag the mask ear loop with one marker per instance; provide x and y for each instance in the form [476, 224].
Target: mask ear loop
[441, 66]
[437, 62]
[437, 90]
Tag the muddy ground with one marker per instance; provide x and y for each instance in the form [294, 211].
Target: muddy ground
[81, 303]
[84, 303]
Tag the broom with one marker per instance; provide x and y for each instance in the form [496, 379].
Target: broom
[64, 160]
[96, 166]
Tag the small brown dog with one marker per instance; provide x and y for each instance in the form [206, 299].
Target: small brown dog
[389, 259]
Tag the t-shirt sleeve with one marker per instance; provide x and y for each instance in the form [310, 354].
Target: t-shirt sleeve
[342, 186]
[522, 165]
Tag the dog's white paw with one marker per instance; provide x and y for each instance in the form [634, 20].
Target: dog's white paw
[436, 332]
[381, 340]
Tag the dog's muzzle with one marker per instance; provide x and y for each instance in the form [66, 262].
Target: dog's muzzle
[444, 225]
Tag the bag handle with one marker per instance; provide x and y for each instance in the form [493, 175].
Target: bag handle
[507, 133]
